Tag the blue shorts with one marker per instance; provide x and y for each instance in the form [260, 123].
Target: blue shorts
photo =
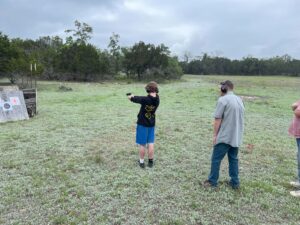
[144, 135]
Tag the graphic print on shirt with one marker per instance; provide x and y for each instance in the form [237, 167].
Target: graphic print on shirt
[149, 109]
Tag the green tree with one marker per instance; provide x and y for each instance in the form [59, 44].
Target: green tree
[12, 59]
[136, 59]
[48, 50]
[81, 33]
[5, 54]
[79, 62]
[104, 63]
[115, 52]
[146, 61]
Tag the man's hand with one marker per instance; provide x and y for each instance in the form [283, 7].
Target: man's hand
[214, 140]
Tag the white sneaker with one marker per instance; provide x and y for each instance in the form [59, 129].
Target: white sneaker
[295, 193]
[295, 184]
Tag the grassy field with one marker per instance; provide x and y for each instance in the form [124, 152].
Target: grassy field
[76, 162]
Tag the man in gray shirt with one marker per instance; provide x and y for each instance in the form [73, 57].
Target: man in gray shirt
[228, 134]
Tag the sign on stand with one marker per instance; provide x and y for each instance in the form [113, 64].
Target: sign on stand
[12, 106]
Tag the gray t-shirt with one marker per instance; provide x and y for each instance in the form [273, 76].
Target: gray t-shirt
[230, 108]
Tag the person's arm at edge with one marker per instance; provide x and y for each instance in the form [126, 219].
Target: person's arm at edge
[297, 111]
[295, 105]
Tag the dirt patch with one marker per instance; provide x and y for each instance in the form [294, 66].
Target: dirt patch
[250, 98]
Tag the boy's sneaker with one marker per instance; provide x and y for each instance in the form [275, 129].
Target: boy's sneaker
[295, 193]
[295, 184]
[150, 163]
[142, 165]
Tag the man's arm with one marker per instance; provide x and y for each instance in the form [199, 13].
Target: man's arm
[217, 125]
[218, 115]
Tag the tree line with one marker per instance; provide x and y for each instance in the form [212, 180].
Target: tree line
[75, 59]
[206, 65]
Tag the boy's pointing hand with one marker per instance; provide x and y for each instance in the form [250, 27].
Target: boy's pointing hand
[130, 96]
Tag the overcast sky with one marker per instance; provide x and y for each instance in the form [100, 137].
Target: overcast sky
[231, 28]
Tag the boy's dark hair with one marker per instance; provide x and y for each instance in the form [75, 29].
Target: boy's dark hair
[152, 87]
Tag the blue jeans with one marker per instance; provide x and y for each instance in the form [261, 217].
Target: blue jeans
[220, 150]
[298, 157]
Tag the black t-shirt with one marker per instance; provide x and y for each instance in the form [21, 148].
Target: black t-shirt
[149, 104]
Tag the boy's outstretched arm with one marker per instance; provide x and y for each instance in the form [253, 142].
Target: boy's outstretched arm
[136, 99]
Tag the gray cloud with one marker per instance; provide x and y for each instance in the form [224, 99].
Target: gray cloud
[232, 28]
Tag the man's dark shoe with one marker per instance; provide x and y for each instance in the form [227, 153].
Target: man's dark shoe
[207, 184]
[150, 163]
[234, 187]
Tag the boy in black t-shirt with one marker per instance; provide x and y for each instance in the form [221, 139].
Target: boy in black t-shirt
[145, 131]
